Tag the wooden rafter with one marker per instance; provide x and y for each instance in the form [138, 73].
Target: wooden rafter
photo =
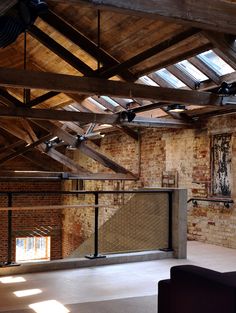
[207, 85]
[63, 53]
[12, 146]
[42, 98]
[87, 85]
[160, 81]
[89, 151]
[24, 149]
[116, 69]
[66, 161]
[225, 44]
[13, 129]
[205, 69]
[30, 155]
[175, 59]
[181, 75]
[102, 159]
[128, 131]
[8, 99]
[83, 42]
[59, 115]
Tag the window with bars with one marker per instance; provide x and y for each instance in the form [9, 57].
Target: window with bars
[33, 249]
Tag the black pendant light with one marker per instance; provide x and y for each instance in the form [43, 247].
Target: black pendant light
[16, 20]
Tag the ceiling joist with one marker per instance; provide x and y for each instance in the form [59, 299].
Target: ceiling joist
[86, 85]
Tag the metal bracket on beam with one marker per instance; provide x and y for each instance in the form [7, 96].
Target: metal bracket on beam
[229, 100]
[127, 116]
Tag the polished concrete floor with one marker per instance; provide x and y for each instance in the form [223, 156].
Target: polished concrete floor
[130, 288]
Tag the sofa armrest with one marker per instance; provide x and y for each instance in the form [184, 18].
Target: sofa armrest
[189, 272]
[195, 289]
[163, 302]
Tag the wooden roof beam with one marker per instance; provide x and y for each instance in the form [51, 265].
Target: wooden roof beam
[225, 44]
[139, 58]
[182, 76]
[9, 100]
[59, 50]
[12, 146]
[86, 85]
[89, 151]
[24, 149]
[83, 42]
[42, 98]
[216, 15]
[59, 115]
[205, 69]
[63, 159]
[175, 59]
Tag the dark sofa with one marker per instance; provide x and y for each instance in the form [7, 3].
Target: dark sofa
[193, 289]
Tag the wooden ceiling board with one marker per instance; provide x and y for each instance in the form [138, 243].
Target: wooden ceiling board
[123, 36]
[156, 62]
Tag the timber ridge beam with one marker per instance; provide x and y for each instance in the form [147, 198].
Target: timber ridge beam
[87, 85]
[217, 15]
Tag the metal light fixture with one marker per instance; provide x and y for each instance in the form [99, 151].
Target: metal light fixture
[176, 108]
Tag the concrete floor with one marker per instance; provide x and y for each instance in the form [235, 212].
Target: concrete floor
[113, 288]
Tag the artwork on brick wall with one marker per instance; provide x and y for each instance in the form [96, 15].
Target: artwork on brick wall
[221, 165]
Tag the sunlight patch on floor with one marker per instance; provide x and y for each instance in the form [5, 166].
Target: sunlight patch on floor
[49, 307]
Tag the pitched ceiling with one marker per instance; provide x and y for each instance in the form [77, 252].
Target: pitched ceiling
[132, 45]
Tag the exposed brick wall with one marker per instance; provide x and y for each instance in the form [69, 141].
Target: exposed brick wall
[212, 222]
[187, 151]
[25, 223]
[78, 225]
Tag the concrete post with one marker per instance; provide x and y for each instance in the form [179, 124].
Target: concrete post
[179, 226]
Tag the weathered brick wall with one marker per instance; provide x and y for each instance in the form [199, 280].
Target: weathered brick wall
[187, 151]
[212, 222]
[25, 223]
[78, 225]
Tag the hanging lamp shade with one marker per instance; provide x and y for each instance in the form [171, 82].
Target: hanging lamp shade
[10, 29]
[18, 19]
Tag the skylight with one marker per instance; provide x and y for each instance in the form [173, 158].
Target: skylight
[170, 78]
[215, 62]
[148, 81]
[97, 103]
[192, 71]
[112, 102]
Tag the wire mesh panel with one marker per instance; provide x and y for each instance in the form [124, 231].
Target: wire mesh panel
[140, 222]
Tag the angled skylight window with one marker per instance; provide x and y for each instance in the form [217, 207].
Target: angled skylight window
[112, 102]
[215, 62]
[147, 81]
[192, 71]
[127, 100]
[72, 108]
[96, 103]
[170, 78]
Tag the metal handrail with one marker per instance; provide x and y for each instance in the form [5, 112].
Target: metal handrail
[226, 202]
[96, 193]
